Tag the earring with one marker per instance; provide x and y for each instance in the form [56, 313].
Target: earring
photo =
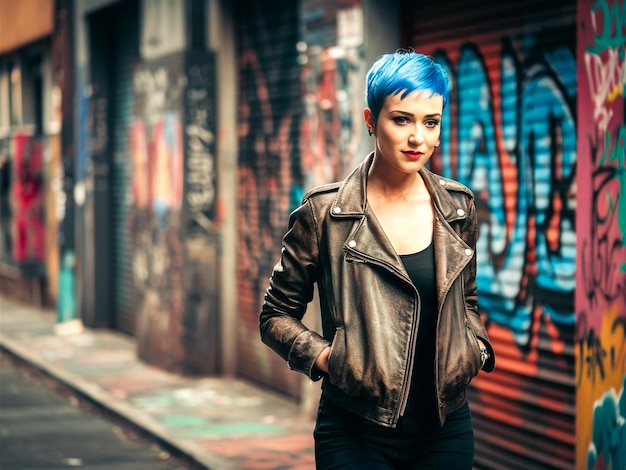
[369, 131]
[437, 145]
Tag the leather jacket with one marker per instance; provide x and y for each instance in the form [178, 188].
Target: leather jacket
[369, 306]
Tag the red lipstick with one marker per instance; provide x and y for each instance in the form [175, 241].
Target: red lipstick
[412, 154]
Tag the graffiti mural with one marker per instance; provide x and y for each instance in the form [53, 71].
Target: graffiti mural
[269, 177]
[601, 230]
[300, 126]
[201, 277]
[332, 77]
[509, 134]
[173, 189]
[201, 174]
[28, 200]
[523, 182]
[156, 190]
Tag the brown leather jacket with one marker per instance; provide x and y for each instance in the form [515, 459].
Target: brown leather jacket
[370, 309]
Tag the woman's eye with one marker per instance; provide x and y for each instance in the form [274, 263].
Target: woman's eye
[401, 120]
[432, 123]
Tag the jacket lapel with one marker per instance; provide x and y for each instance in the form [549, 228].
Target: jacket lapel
[367, 236]
[451, 252]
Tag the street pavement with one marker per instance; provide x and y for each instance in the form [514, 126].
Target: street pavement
[44, 426]
[216, 422]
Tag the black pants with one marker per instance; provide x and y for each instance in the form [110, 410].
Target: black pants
[346, 441]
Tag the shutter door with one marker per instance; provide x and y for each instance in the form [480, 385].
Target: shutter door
[268, 103]
[125, 56]
[509, 134]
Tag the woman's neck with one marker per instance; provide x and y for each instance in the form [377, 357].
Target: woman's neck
[399, 186]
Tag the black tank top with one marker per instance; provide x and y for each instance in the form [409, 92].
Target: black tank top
[420, 267]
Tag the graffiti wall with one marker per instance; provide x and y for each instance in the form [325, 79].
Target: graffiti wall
[601, 232]
[173, 193]
[509, 133]
[300, 105]
[28, 234]
[156, 153]
[269, 175]
[330, 50]
[201, 325]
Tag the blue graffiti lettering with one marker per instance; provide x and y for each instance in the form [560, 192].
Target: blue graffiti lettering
[613, 19]
[538, 134]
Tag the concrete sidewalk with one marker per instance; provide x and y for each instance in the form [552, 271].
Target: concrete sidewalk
[219, 423]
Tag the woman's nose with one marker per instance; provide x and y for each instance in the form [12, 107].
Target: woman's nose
[416, 136]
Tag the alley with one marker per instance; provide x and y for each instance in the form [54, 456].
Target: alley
[44, 426]
[205, 419]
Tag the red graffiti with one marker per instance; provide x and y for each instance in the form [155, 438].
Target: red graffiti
[28, 220]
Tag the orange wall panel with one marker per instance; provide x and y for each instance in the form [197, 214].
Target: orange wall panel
[24, 21]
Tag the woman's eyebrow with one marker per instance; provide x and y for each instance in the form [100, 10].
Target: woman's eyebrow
[401, 112]
[434, 115]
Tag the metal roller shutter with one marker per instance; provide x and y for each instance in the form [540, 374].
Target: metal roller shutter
[509, 134]
[125, 56]
[268, 105]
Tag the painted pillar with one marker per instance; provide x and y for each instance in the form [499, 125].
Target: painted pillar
[221, 38]
[601, 237]
[174, 237]
[64, 75]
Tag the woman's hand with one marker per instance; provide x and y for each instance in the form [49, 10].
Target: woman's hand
[321, 363]
[484, 355]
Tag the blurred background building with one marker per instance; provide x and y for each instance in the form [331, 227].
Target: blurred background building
[152, 150]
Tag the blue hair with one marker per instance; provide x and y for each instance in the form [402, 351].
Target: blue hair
[404, 71]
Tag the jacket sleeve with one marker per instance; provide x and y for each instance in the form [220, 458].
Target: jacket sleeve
[288, 294]
[471, 292]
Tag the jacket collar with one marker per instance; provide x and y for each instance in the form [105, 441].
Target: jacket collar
[368, 238]
[351, 200]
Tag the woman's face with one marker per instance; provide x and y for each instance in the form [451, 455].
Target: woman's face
[407, 131]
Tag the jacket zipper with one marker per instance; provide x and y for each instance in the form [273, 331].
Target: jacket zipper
[439, 309]
[408, 375]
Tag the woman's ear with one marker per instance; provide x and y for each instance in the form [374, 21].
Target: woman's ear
[368, 117]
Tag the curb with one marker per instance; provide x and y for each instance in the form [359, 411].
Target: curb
[117, 407]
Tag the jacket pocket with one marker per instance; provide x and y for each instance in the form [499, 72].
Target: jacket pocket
[463, 366]
[336, 360]
[474, 349]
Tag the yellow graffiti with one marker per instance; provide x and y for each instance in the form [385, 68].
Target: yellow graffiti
[616, 92]
[591, 387]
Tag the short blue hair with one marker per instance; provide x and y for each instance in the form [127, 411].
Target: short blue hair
[404, 71]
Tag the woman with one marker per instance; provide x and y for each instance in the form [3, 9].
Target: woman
[392, 249]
